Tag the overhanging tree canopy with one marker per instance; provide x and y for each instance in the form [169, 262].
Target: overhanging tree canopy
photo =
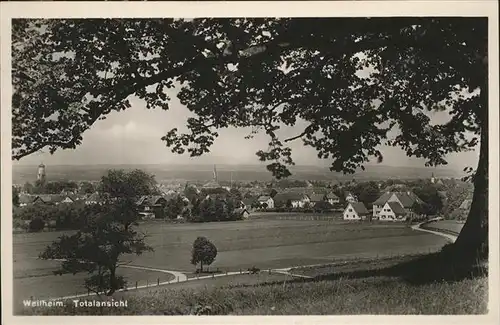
[350, 80]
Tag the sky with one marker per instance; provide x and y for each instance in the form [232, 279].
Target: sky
[134, 136]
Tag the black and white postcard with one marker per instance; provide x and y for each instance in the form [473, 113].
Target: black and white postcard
[332, 161]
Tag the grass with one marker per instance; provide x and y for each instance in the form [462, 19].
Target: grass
[261, 243]
[331, 294]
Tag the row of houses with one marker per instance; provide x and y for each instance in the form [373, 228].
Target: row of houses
[292, 200]
[55, 199]
[390, 206]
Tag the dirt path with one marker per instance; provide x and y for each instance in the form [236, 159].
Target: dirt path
[179, 278]
[450, 237]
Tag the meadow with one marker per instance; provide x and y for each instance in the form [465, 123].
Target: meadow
[275, 294]
[263, 243]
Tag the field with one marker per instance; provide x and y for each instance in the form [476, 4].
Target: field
[450, 226]
[261, 243]
[263, 294]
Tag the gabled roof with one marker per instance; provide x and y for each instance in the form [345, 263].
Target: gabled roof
[26, 199]
[71, 197]
[49, 198]
[241, 211]
[383, 198]
[212, 184]
[263, 198]
[332, 195]
[292, 196]
[154, 199]
[141, 200]
[407, 199]
[317, 197]
[359, 208]
[94, 197]
[396, 208]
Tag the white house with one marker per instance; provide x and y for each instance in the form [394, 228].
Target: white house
[292, 200]
[355, 211]
[94, 198]
[267, 201]
[351, 198]
[405, 199]
[392, 211]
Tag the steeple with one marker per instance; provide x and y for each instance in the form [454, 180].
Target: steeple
[433, 180]
[215, 174]
[41, 174]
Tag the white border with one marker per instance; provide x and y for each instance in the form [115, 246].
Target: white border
[248, 9]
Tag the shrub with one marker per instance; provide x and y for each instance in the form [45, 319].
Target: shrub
[36, 224]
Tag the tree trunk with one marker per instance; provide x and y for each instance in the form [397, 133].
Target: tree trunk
[112, 281]
[201, 267]
[472, 243]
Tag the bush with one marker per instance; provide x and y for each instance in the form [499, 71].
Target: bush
[36, 225]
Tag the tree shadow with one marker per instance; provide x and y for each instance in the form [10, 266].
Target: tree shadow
[443, 266]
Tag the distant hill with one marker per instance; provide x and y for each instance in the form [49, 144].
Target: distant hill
[25, 173]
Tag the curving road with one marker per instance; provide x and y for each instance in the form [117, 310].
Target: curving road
[450, 237]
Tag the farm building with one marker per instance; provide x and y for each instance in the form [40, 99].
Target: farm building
[93, 198]
[291, 199]
[355, 211]
[315, 198]
[151, 205]
[332, 198]
[54, 199]
[405, 199]
[266, 201]
[392, 211]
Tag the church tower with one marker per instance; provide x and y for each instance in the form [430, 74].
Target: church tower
[41, 177]
[215, 175]
[433, 179]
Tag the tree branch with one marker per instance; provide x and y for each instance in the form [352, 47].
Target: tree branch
[306, 131]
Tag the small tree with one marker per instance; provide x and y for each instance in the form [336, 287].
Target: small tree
[204, 252]
[174, 207]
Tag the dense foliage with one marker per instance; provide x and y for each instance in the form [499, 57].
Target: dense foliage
[215, 209]
[53, 187]
[107, 235]
[64, 216]
[203, 252]
[128, 184]
[349, 82]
